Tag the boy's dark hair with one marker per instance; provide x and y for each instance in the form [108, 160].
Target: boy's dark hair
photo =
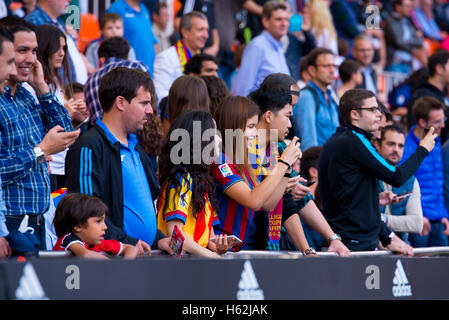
[5, 36]
[352, 99]
[109, 17]
[122, 82]
[115, 47]
[392, 127]
[194, 65]
[77, 87]
[309, 160]
[75, 209]
[440, 57]
[15, 24]
[347, 68]
[422, 107]
[270, 98]
[313, 55]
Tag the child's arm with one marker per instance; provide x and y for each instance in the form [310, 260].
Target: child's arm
[129, 251]
[189, 244]
[80, 251]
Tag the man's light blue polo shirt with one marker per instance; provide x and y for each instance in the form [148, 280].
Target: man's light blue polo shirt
[263, 56]
[139, 215]
[137, 30]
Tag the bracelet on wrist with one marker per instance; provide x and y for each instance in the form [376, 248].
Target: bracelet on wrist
[286, 163]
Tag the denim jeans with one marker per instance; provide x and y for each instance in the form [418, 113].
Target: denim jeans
[435, 238]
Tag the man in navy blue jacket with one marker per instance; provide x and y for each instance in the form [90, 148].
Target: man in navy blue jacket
[354, 171]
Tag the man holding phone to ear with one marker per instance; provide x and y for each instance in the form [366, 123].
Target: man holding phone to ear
[354, 172]
[429, 112]
[404, 215]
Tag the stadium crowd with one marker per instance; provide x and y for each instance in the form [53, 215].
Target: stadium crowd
[307, 125]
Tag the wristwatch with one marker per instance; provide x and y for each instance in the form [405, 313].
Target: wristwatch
[333, 237]
[309, 251]
[39, 155]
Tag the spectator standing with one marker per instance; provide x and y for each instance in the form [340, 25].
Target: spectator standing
[31, 132]
[8, 69]
[317, 118]
[111, 25]
[429, 112]
[113, 53]
[402, 39]
[436, 86]
[322, 25]
[425, 20]
[350, 75]
[212, 45]
[160, 27]
[228, 26]
[446, 173]
[354, 170]
[49, 12]
[265, 53]
[137, 25]
[108, 161]
[363, 53]
[169, 64]
[405, 216]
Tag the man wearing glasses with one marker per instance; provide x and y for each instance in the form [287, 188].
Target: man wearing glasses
[315, 118]
[429, 112]
[354, 172]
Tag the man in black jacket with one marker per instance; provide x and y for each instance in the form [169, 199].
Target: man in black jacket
[436, 86]
[108, 162]
[354, 172]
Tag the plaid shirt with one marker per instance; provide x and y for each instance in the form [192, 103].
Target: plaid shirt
[23, 125]
[93, 84]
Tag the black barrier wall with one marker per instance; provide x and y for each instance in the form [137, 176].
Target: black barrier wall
[321, 278]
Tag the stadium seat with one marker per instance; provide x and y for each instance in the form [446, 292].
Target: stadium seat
[90, 30]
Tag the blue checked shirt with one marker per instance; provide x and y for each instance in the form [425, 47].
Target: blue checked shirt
[23, 125]
[93, 84]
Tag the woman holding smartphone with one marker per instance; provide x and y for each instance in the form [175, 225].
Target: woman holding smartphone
[239, 191]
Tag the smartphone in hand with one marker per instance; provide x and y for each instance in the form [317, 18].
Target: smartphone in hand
[309, 183]
[404, 195]
[229, 238]
[83, 122]
[176, 242]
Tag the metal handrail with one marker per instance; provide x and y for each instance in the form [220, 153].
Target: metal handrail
[418, 252]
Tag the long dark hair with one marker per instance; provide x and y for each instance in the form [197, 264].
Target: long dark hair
[171, 174]
[48, 41]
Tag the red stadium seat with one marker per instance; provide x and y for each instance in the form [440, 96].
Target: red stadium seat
[90, 30]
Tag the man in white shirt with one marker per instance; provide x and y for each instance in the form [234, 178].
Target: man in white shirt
[169, 64]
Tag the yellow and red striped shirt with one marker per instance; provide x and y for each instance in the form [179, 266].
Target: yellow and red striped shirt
[180, 207]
